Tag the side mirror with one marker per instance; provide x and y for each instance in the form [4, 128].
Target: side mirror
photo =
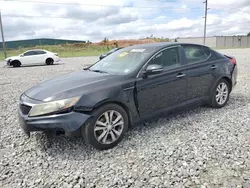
[21, 55]
[102, 56]
[154, 69]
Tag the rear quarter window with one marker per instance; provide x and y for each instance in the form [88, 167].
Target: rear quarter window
[217, 54]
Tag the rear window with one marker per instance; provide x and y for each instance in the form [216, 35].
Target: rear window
[39, 52]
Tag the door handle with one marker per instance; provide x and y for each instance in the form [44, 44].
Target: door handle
[213, 67]
[180, 75]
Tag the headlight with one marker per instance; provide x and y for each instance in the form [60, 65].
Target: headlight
[54, 106]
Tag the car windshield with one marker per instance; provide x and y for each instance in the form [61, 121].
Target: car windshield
[123, 61]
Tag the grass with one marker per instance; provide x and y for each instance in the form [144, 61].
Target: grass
[68, 50]
[63, 50]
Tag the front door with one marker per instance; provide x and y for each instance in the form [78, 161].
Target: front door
[166, 89]
[28, 58]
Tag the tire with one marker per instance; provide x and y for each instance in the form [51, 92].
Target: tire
[16, 63]
[49, 61]
[218, 100]
[97, 127]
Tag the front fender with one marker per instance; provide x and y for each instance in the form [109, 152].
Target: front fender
[10, 61]
[118, 95]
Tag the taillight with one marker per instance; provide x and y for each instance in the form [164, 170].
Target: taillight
[231, 59]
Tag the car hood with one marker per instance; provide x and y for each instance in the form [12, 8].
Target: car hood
[69, 85]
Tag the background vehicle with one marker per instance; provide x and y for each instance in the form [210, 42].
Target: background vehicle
[110, 52]
[129, 86]
[30, 57]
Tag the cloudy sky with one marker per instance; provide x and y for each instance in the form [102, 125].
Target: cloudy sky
[122, 19]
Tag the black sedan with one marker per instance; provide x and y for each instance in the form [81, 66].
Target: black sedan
[129, 86]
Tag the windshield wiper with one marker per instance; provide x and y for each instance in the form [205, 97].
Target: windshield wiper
[100, 71]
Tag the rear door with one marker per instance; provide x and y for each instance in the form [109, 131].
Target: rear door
[201, 71]
[163, 90]
[40, 56]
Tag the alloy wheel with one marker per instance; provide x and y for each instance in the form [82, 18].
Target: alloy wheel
[109, 127]
[221, 93]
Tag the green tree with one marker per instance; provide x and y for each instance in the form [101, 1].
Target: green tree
[248, 34]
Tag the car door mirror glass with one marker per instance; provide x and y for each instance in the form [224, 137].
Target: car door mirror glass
[154, 69]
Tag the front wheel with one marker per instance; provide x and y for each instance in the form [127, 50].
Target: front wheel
[220, 94]
[106, 128]
[16, 63]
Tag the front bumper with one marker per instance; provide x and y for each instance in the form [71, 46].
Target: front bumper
[9, 63]
[67, 123]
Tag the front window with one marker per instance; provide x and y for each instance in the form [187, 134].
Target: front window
[122, 61]
[168, 58]
[29, 53]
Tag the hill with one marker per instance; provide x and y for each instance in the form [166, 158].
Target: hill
[69, 48]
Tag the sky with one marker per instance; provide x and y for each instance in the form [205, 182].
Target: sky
[94, 20]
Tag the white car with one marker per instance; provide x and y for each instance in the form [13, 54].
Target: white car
[33, 57]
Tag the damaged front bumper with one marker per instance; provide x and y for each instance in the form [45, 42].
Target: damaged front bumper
[66, 123]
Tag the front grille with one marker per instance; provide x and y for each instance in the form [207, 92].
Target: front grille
[25, 109]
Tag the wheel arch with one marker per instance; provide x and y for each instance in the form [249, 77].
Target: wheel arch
[121, 104]
[229, 82]
[228, 79]
[49, 57]
[16, 61]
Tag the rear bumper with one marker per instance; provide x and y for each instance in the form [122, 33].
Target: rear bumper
[56, 59]
[67, 123]
[234, 75]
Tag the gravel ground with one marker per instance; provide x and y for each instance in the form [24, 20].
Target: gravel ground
[202, 147]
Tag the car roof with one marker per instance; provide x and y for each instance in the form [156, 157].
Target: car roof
[159, 45]
[36, 50]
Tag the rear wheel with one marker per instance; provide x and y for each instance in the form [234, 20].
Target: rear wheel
[107, 127]
[16, 63]
[220, 94]
[49, 61]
